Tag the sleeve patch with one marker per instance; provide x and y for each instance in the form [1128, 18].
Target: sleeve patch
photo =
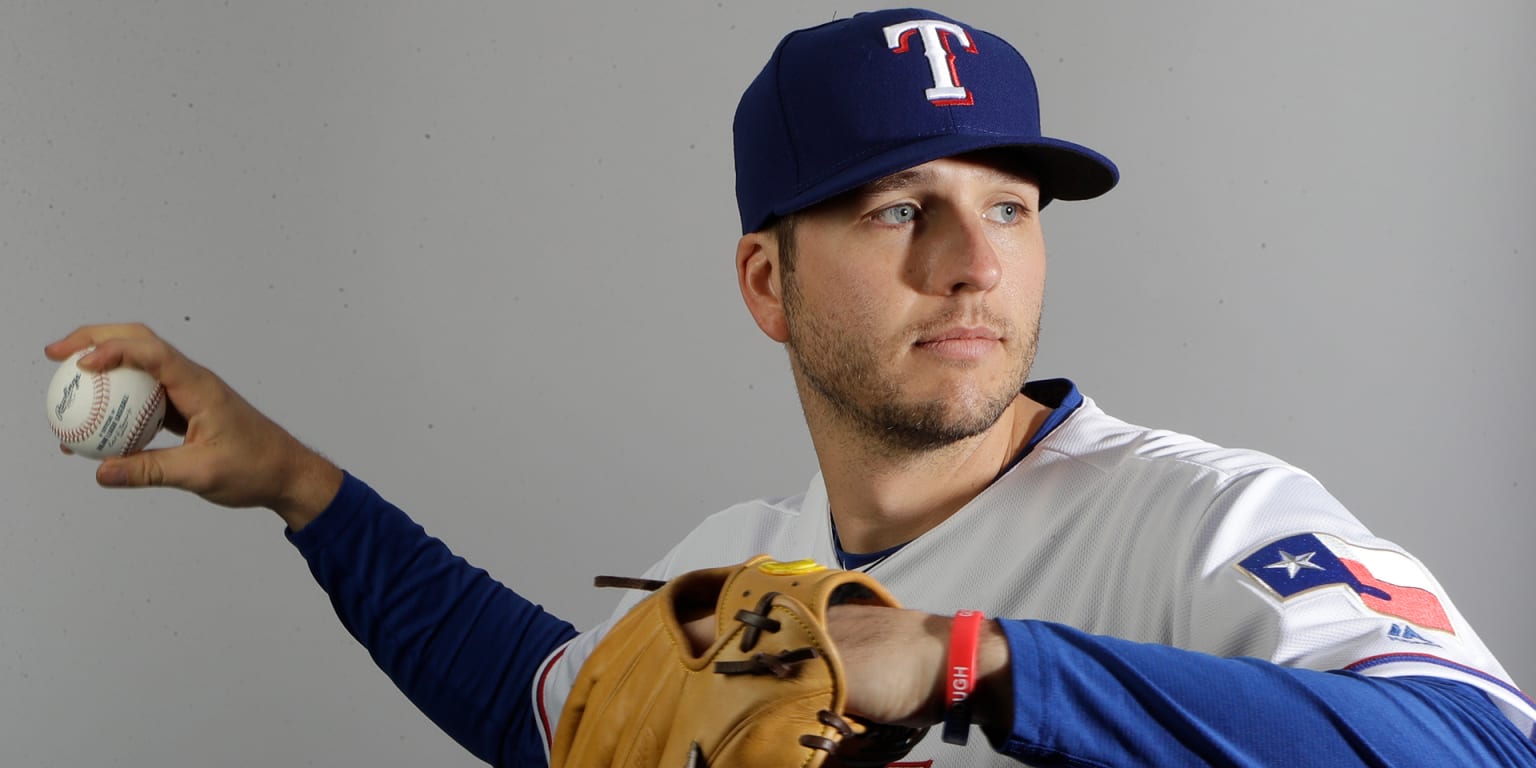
[1387, 582]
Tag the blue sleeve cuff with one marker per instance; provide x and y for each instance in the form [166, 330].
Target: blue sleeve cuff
[343, 510]
[1032, 728]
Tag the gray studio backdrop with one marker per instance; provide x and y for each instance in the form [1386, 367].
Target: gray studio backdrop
[481, 254]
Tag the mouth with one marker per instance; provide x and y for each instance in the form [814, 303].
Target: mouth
[961, 344]
[978, 333]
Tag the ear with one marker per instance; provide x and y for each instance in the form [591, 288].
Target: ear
[758, 274]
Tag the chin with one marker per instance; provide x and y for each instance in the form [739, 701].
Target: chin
[937, 422]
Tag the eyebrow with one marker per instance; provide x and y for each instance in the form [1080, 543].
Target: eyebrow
[917, 176]
[895, 182]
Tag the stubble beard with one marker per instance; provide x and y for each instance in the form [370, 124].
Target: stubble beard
[844, 374]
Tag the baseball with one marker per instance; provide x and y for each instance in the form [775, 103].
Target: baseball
[113, 413]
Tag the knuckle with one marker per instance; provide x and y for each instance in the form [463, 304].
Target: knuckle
[151, 473]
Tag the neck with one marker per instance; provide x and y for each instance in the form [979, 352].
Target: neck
[882, 497]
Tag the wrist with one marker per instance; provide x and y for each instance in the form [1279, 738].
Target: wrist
[313, 482]
[993, 705]
[976, 687]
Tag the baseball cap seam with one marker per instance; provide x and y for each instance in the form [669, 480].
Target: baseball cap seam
[784, 107]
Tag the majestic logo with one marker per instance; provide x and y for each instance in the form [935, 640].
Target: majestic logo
[946, 90]
[1389, 583]
[1403, 633]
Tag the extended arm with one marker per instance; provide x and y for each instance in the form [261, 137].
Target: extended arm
[1054, 695]
[1107, 701]
[460, 645]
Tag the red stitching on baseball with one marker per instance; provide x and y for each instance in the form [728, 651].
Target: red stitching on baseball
[143, 420]
[101, 394]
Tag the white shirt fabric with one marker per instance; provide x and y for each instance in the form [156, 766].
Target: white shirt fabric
[1124, 531]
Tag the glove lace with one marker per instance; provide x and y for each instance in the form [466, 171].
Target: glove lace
[780, 665]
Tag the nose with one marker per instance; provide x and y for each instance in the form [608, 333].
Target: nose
[961, 257]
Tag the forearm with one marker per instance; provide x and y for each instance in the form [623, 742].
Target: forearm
[460, 645]
[1083, 699]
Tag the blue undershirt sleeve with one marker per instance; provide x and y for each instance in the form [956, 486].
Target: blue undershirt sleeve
[1089, 700]
[460, 645]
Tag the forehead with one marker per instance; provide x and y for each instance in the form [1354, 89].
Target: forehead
[982, 166]
[992, 167]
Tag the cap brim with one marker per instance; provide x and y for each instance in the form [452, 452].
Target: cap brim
[1064, 170]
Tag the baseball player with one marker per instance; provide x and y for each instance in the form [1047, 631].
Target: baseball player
[1149, 598]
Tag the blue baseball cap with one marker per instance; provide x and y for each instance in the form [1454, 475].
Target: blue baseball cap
[845, 103]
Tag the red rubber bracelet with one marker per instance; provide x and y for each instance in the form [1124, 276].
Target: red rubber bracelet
[964, 633]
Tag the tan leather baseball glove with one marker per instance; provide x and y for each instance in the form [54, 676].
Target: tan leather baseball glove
[768, 692]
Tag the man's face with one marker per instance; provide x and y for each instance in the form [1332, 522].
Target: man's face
[913, 303]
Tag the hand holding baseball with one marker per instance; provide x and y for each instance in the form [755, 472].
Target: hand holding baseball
[232, 454]
[97, 414]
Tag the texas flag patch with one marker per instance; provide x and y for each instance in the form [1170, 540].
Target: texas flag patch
[1388, 582]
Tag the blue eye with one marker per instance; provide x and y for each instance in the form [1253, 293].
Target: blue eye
[1005, 213]
[903, 213]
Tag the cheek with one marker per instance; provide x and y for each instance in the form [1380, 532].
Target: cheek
[848, 318]
[1031, 284]
[1026, 276]
[846, 297]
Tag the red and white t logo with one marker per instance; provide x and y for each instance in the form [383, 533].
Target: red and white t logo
[946, 90]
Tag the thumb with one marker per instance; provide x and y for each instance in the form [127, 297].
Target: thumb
[140, 470]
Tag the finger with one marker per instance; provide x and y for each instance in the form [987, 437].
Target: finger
[161, 467]
[147, 354]
[190, 388]
[152, 355]
[122, 473]
[90, 335]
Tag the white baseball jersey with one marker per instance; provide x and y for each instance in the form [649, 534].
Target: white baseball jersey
[1140, 534]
